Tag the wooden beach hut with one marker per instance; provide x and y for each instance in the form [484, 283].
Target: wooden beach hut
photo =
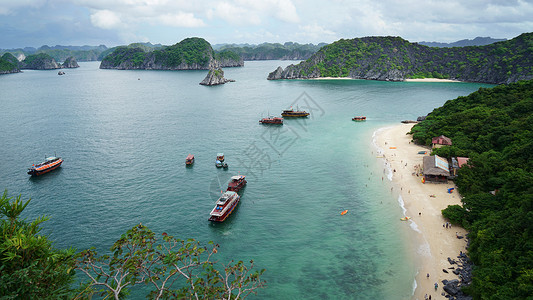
[440, 141]
[436, 169]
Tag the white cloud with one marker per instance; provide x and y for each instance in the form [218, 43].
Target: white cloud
[105, 19]
[181, 19]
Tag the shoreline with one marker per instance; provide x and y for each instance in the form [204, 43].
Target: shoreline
[405, 80]
[430, 242]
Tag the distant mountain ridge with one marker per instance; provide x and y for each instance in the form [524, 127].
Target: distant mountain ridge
[59, 52]
[272, 51]
[395, 59]
[478, 41]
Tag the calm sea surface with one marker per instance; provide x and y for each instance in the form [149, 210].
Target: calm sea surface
[124, 136]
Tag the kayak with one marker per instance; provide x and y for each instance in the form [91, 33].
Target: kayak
[344, 212]
[405, 218]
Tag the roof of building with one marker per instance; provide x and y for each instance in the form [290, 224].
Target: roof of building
[441, 140]
[462, 161]
[436, 165]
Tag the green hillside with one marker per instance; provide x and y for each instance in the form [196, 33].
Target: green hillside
[395, 59]
[494, 127]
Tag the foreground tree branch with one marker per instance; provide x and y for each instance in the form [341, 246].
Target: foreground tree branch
[139, 258]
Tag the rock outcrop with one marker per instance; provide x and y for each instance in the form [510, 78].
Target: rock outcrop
[215, 76]
[39, 61]
[395, 59]
[9, 64]
[70, 62]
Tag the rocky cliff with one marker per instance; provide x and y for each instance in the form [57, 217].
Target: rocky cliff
[70, 62]
[395, 59]
[215, 76]
[39, 61]
[189, 54]
[9, 64]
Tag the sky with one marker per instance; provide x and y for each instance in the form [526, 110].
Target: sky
[33, 23]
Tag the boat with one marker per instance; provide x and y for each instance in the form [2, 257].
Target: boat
[344, 212]
[189, 160]
[221, 164]
[405, 218]
[50, 163]
[237, 183]
[224, 206]
[294, 113]
[220, 156]
[272, 120]
[359, 118]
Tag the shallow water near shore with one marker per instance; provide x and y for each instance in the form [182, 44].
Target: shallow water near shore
[124, 136]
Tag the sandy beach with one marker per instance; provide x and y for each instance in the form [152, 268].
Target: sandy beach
[433, 243]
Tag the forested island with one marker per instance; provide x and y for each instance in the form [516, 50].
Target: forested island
[189, 54]
[41, 61]
[273, 51]
[494, 128]
[395, 59]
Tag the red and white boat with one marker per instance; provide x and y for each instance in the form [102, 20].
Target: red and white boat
[272, 120]
[50, 163]
[189, 160]
[224, 206]
[359, 118]
[237, 183]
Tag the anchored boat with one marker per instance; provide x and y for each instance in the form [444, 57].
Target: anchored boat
[272, 120]
[189, 160]
[359, 118]
[50, 163]
[224, 206]
[294, 113]
[236, 183]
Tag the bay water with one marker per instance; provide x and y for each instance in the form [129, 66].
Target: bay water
[124, 136]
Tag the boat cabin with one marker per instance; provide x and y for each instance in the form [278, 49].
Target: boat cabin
[189, 160]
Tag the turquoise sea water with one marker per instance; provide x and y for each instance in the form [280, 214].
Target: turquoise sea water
[124, 136]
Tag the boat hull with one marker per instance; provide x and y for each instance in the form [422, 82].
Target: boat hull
[225, 215]
[35, 172]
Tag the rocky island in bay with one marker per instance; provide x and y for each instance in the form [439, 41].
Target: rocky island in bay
[189, 54]
[396, 59]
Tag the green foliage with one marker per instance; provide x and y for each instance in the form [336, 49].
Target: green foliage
[7, 64]
[30, 267]
[494, 127]
[139, 258]
[272, 51]
[376, 57]
[190, 51]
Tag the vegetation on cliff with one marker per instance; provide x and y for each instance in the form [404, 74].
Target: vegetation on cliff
[8, 64]
[393, 58]
[494, 128]
[39, 61]
[61, 53]
[191, 53]
[271, 51]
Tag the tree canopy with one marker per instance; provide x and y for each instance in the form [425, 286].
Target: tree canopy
[494, 128]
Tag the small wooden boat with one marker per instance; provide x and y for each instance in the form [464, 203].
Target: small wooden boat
[359, 118]
[221, 164]
[237, 183]
[272, 120]
[50, 163]
[220, 156]
[189, 160]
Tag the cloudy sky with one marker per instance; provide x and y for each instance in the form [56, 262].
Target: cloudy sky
[117, 22]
